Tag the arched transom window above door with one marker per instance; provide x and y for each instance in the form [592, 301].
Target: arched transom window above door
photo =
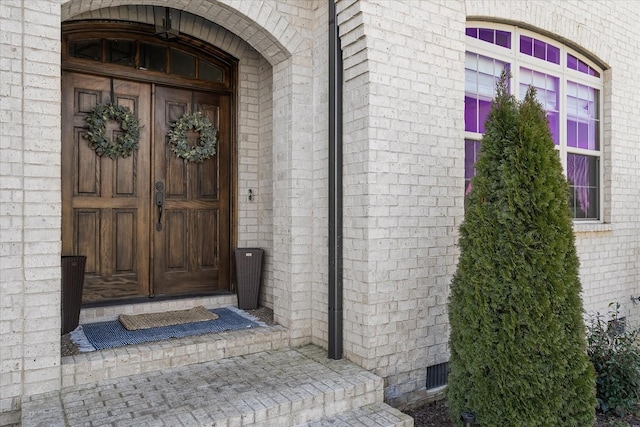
[569, 86]
[133, 48]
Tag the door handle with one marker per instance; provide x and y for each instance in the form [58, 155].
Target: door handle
[159, 203]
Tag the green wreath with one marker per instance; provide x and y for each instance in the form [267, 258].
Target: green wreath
[206, 146]
[125, 143]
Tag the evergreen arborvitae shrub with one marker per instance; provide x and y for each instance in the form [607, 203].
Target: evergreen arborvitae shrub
[518, 348]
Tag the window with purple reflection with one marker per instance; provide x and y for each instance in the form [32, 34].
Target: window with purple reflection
[503, 38]
[547, 93]
[579, 65]
[582, 116]
[539, 49]
[481, 76]
[583, 176]
[487, 35]
[553, 54]
[497, 37]
[571, 100]
[526, 45]
[471, 153]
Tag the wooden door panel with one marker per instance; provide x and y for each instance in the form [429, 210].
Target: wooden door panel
[124, 239]
[85, 168]
[207, 223]
[105, 201]
[191, 252]
[126, 177]
[176, 175]
[207, 182]
[175, 252]
[86, 226]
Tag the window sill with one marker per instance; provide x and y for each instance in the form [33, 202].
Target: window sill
[591, 227]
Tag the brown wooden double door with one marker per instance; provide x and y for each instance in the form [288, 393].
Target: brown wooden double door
[150, 224]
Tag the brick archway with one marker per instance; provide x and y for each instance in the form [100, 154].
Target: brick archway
[262, 27]
[281, 44]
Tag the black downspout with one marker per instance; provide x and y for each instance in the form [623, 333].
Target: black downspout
[335, 186]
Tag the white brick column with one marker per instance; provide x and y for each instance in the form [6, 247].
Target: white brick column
[30, 204]
[403, 134]
[292, 196]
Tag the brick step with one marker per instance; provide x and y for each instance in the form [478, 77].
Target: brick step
[114, 363]
[282, 387]
[376, 415]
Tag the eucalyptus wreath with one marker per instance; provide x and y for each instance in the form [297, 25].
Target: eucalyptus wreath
[206, 146]
[125, 143]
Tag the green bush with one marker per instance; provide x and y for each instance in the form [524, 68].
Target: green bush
[518, 348]
[614, 351]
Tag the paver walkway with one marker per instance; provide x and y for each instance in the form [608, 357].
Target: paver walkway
[283, 387]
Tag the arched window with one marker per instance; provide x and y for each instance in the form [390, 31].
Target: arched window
[569, 86]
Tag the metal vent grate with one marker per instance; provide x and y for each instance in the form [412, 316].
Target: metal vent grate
[437, 375]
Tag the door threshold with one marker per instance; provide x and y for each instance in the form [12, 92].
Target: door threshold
[139, 300]
[111, 311]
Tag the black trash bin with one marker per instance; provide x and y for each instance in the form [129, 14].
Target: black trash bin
[72, 283]
[248, 273]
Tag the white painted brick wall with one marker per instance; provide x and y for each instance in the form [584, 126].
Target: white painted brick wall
[320, 216]
[401, 110]
[30, 202]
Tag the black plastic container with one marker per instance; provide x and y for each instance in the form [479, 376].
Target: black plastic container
[72, 284]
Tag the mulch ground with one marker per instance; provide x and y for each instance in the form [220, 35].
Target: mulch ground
[436, 414]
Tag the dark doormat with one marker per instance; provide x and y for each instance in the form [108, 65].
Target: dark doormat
[102, 335]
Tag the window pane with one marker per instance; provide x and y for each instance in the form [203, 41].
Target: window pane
[583, 174]
[210, 72]
[526, 45]
[539, 49]
[481, 76]
[471, 153]
[582, 116]
[153, 57]
[121, 52]
[471, 114]
[86, 49]
[503, 38]
[547, 93]
[582, 67]
[497, 37]
[553, 54]
[579, 65]
[487, 35]
[182, 63]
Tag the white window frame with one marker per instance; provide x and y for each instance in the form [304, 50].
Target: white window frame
[517, 60]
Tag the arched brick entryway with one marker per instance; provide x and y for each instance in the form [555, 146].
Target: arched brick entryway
[275, 139]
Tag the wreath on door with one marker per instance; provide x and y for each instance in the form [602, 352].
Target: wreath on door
[125, 144]
[206, 146]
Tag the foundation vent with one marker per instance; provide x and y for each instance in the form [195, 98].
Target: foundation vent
[437, 375]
